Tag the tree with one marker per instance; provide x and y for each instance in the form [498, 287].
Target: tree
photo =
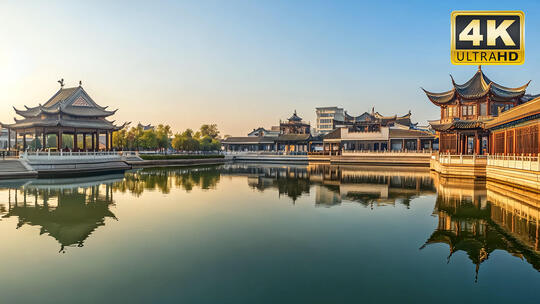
[191, 144]
[209, 130]
[163, 133]
[149, 140]
[178, 142]
[120, 139]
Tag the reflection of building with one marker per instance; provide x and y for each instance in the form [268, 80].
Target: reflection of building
[370, 185]
[67, 212]
[69, 111]
[335, 184]
[468, 223]
[465, 109]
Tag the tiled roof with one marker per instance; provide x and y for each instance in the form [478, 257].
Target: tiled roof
[293, 137]
[335, 134]
[458, 124]
[400, 133]
[476, 87]
[525, 110]
[248, 140]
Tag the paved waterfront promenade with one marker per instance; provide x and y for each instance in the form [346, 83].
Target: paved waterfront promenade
[13, 168]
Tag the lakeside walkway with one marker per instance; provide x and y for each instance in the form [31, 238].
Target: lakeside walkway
[13, 168]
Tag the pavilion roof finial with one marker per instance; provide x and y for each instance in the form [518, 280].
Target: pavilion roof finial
[61, 82]
[480, 67]
[80, 83]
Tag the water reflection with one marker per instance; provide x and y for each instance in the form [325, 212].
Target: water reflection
[474, 218]
[165, 179]
[479, 218]
[68, 210]
[369, 186]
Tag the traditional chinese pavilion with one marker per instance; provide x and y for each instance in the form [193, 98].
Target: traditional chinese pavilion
[69, 111]
[466, 108]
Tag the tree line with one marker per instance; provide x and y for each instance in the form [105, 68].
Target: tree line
[162, 138]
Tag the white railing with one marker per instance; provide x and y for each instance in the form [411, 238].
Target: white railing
[249, 153]
[62, 156]
[386, 153]
[523, 162]
[461, 159]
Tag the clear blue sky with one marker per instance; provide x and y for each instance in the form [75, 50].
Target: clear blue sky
[243, 64]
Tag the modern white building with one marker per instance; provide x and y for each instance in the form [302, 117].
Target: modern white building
[326, 117]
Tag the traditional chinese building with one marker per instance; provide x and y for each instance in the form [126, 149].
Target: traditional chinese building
[294, 125]
[516, 131]
[466, 108]
[375, 132]
[294, 135]
[69, 111]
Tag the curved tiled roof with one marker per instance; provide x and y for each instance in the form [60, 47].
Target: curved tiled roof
[440, 98]
[293, 137]
[295, 117]
[402, 133]
[476, 87]
[458, 124]
[79, 109]
[65, 101]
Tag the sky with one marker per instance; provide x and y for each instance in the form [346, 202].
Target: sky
[243, 64]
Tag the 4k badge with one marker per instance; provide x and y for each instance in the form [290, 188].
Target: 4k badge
[488, 37]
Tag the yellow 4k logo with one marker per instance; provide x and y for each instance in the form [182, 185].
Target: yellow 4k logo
[488, 37]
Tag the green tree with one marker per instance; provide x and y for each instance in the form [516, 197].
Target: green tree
[163, 134]
[209, 130]
[178, 142]
[149, 140]
[120, 139]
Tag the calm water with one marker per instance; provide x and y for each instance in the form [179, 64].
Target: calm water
[267, 234]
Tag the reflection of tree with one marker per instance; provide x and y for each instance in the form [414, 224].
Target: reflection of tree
[69, 214]
[163, 179]
[466, 224]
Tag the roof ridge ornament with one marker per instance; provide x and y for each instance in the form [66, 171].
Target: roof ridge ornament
[453, 82]
[61, 82]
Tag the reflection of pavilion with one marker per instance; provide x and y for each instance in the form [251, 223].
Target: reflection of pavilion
[468, 223]
[67, 210]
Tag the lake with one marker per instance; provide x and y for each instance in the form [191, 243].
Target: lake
[254, 233]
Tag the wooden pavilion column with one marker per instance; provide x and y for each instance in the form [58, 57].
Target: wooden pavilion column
[107, 141]
[36, 137]
[505, 142]
[9, 139]
[97, 140]
[15, 146]
[403, 144]
[84, 141]
[24, 141]
[93, 138]
[477, 143]
[59, 144]
[44, 139]
[75, 141]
